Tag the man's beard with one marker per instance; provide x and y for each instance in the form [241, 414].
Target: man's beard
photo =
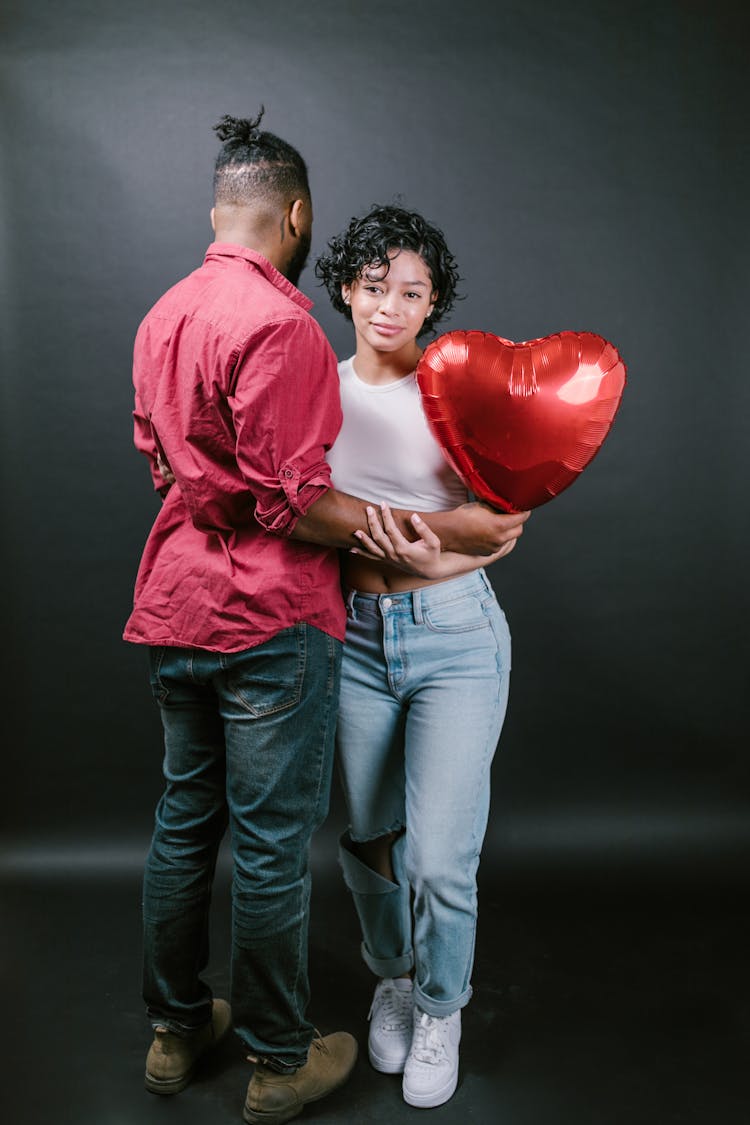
[298, 261]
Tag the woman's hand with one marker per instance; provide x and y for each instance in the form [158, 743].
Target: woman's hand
[423, 556]
[386, 543]
[164, 469]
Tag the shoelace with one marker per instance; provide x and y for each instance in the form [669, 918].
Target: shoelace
[429, 1044]
[395, 1008]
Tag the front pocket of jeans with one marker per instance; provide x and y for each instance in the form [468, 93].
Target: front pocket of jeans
[465, 615]
[269, 679]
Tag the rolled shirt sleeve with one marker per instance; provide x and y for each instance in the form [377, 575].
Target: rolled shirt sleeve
[286, 410]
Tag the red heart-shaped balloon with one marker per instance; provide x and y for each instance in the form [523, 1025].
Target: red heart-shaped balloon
[519, 422]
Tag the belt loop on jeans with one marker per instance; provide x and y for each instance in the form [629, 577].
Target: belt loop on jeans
[349, 600]
[416, 606]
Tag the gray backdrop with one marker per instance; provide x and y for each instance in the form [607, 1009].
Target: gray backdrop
[589, 165]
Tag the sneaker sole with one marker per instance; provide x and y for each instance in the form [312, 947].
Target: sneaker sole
[386, 1066]
[435, 1098]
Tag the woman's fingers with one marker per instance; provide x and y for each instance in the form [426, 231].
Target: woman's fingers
[385, 540]
[425, 532]
[502, 553]
[368, 545]
[391, 528]
[378, 532]
[403, 549]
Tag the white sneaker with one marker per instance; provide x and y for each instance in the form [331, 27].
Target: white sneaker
[431, 1071]
[391, 1025]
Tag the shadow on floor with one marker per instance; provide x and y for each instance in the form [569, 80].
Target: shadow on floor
[589, 1009]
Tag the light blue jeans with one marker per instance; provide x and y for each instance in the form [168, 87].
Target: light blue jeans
[423, 697]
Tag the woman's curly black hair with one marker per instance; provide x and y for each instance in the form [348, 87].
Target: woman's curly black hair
[369, 240]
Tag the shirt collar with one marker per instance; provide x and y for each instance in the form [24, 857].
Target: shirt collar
[231, 250]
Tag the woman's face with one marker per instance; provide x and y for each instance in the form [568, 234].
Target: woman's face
[389, 309]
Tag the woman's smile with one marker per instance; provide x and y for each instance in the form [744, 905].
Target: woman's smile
[390, 305]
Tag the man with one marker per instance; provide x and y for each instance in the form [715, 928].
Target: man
[238, 598]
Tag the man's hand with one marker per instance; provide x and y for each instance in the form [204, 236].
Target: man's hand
[476, 529]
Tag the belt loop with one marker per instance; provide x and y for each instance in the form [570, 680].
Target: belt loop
[416, 606]
[350, 610]
[485, 580]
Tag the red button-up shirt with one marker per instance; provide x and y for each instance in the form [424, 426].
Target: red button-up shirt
[236, 387]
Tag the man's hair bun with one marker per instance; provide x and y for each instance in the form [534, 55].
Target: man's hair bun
[253, 164]
[239, 130]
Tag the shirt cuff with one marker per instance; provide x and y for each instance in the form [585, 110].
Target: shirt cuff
[300, 491]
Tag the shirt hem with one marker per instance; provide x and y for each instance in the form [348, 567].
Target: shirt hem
[338, 633]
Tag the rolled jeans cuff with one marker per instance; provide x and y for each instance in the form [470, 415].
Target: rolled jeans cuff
[378, 903]
[440, 1007]
[390, 966]
[174, 1027]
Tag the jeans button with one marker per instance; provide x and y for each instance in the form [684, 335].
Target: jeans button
[387, 603]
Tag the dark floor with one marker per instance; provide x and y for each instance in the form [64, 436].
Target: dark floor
[589, 1009]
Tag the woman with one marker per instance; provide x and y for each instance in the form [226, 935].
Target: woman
[426, 663]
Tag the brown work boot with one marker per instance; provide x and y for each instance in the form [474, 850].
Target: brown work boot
[273, 1098]
[171, 1058]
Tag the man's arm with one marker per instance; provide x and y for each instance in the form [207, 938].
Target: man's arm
[143, 438]
[284, 401]
[422, 556]
[330, 523]
[286, 412]
[472, 529]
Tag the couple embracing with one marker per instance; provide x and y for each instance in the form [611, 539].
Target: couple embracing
[306, 504]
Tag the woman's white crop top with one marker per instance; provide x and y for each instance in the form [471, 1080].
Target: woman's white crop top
[385, 450]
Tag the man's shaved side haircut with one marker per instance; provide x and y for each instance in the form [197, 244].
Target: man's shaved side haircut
[254, 165]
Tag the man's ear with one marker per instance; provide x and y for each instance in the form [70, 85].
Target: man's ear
[299, 216]
[213, 219]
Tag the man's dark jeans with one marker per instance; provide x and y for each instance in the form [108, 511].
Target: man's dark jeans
[249, 741]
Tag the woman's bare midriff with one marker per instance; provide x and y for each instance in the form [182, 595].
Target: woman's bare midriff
[379, 578]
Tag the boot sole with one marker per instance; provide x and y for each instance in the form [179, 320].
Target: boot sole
[259, 1117]
[165, 1086]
